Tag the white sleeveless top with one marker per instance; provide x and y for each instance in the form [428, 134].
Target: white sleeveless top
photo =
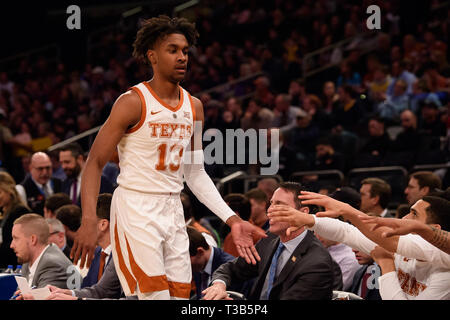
[151, 152]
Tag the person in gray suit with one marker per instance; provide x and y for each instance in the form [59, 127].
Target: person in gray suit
[43, 263]
[107, 288]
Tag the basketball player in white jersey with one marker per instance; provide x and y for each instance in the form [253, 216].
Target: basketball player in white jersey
[152, 125]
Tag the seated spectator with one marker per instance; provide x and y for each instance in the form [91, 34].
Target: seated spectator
[421, 184]
[302, 137]
[70, 216]
[326, 157]
[39, 185]
[73, 161]
[396, 103]
[284, 113]
[43, 263]
[372, 152]
[12, 208]
[256, 116]
[205, 259]
[398, 71]
[54, 202]
[430, 122]
[284, 271]
[349, 112]
[268, 186]
[365, 282]
[348, 76]
[434, 80]
[377, 88]
[288, 162]
[263, 93]
[330, 97]
[297, 92]
[57, 235]
[102, 254]
[375, 197]
[259, 204]
[313, 106]
[406, 141]
[344, 257]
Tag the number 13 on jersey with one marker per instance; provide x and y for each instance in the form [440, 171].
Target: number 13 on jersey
[169, 157]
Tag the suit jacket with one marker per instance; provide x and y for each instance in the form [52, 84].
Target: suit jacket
[371, 294]
[7, 255]
[53, 268]
[92, 275]
[67, 250]
[308, 274]
[35, 196]
[107, 288]
[105, 187]
[219, 258]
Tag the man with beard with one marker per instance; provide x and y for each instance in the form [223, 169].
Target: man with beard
[72, 161]
[38, 185]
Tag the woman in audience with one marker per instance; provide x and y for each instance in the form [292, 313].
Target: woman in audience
[11, 208]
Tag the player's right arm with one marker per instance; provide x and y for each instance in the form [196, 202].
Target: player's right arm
[125, 113]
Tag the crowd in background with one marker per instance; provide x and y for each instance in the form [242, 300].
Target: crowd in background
[387, 107]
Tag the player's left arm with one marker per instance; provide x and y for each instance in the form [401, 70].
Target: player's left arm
[204, 189]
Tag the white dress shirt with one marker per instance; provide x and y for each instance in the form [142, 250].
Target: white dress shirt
[33, 267]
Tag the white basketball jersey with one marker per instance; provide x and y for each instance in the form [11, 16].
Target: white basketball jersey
[151, 152]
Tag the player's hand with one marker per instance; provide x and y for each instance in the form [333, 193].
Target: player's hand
[333, 207]
[296, 218]
[84, 243]
[216, 292]
[394, 227]
[242, 232]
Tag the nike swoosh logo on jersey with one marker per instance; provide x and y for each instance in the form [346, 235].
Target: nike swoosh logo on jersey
[153, 113]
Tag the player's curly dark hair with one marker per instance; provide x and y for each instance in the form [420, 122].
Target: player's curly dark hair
[158, 28]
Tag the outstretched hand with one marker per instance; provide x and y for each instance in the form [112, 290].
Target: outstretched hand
[394, 227]
[242, 232]
[333, 207]
[283, 213]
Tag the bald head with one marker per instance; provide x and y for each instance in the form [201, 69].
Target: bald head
[408, 119]
[40, 167]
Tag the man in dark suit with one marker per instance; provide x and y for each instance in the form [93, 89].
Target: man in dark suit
[72, 161]
[43, 263]
[38, 185]
[284, 272]
[102, 255]
[375, 197]
[205, 259]
[365, 282]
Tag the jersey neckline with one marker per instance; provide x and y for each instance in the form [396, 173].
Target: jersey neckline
[164, 104]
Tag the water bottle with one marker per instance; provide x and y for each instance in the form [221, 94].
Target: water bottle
[18, 269]
[9, 269]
